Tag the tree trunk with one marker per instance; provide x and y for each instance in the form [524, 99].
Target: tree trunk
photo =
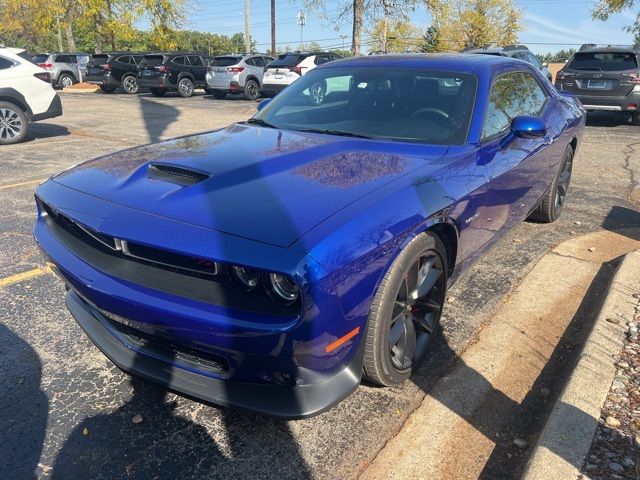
[71, 41]
[358, 6]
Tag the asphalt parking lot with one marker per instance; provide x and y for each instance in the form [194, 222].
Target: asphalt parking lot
[67, 412]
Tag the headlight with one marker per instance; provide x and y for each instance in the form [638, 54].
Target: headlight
[245, 278]
[283, 288]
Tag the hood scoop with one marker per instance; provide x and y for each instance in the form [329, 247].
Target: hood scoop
[178, 175]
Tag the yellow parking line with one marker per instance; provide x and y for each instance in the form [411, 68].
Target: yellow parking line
[21, 277]
[21, 184]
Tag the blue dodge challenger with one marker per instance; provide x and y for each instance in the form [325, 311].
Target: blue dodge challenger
[269, 265]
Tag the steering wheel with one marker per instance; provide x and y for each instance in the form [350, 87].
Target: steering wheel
[437, 111]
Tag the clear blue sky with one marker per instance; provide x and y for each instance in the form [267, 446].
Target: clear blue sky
[549, 24]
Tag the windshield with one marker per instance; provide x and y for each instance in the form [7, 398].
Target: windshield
[604, 62]
[408, 104]
[287, 60]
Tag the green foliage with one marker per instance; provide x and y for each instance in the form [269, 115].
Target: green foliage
[559, 56]
[604, 8]
[401, 36]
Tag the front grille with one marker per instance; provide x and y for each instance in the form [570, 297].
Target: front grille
[179, 175]
[161, 347]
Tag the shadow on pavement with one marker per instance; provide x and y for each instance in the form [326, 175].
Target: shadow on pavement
[24, 408]
[157, 117]
[624, 221]
[608, 119]
[45, 130]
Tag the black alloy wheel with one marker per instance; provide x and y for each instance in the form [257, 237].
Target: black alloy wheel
[562, 188]
[406, 311]
[251, 90]
[552, 203]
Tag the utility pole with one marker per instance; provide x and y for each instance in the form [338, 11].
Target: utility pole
[273, 27]
[385, 29]
[301, 20]
[247, 30]
[343, 37]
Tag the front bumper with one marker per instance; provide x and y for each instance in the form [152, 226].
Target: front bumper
[272, 365]
[265, 399]
[54, 110]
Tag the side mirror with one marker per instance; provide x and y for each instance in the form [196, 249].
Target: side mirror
[545, 65]
[263, 103]
[526, 126]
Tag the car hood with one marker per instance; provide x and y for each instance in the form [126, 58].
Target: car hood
[260, 183]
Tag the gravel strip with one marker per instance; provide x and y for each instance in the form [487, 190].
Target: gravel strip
[615, 451]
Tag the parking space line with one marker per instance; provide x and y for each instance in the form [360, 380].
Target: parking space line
[21, 277]
[21, 184]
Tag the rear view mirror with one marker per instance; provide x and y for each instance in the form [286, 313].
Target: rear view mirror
[526, 126]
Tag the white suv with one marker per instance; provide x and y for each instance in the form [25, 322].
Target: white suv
[288, 67]
[237, 74]
[26, 95]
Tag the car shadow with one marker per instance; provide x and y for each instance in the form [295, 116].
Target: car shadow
[24, 408]
[608, 119]
[157, 116]
[624, 221]
[38, 131]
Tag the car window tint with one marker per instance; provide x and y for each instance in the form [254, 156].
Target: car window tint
[5, 63]
[123, 59]
[40, 59]
[62, 59]
[225, 61]
[521, 56]
[179, 61]
[251, 62]
[137, 58]
[195, 60]
[83, 58]
[267, 60]
[534, 60]
[320, 59]
[537, 98]
[604, 62]
[509, 97]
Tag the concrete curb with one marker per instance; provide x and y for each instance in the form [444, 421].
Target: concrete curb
[78, 90]
[568, 433]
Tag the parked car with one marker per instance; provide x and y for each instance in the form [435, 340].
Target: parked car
[237, 73]
[112, 70]
[268, 265]
[288, 67]
[66, 69]
[604, 78]
[180, 72]
[26, 95]
[520, 52]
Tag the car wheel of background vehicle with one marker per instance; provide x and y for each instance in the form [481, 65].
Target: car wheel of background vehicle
[130, 85]
[406, 311]
[635, 118]
[551, 205]
[158, 92]
[251, 90]
[219, 94]
[65, 81]
[185, 87]
[107, 88]
[13, 124]
[317, 91]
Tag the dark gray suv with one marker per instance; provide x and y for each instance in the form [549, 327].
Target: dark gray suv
[604, 78]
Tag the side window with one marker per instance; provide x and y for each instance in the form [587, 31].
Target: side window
[251, 62]
[61, 59]
[534, 60]
[207, 61]
[537, 96]
[195, 60]
[137, 59]
[521, 56]
[72, 59]
[5, 63]
[179, 61]
[322, 58]
[267, 60]
[123, 59]
[510, 96]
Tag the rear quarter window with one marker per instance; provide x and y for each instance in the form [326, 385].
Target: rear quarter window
[5, 63]
[40, 58]
[225, 61]
[153, 60]
[287, 60]
[604, 62]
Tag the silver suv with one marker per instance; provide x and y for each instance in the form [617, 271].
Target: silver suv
[66, 69]
[237, 74]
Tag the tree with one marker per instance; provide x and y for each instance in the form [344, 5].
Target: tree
[457, 24]
[430, 40]
[604, 9]
[396, 36]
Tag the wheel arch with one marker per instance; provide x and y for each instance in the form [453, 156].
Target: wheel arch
[67, 72]
[10, 95]
[448, 234]
[574, 143]
[252, 77]
[186, 75]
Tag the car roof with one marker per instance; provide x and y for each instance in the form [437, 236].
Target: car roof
[610, 49]
[435, 61]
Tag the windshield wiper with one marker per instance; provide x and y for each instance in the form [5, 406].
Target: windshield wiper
[262, 123]
[342, 133]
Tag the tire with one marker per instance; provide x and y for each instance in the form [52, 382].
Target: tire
[65, 80]
[130, 85]
[635, 119]
[552, 203]
[219, 94]
[13, 123]
[107, 88]
[185, 87]
[158, 92]
[251, 90]
[395, 319]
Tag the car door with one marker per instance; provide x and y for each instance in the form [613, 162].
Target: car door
[517, 168]
[198, 69]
